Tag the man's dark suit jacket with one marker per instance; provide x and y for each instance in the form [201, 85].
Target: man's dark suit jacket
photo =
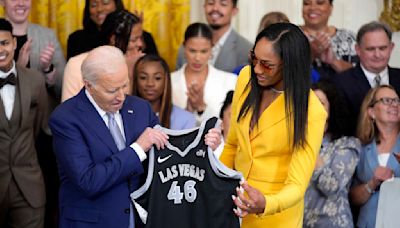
[96, 178]
[353, 86]
[18, 157]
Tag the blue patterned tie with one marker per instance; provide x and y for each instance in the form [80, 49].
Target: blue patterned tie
[115, 131]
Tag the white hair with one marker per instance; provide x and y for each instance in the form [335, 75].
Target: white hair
[103, 60]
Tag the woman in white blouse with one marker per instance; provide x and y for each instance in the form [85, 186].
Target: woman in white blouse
[197, 86]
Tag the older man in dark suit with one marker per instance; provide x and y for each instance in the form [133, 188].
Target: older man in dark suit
[100, 139]
[23, 111]
[374, 47]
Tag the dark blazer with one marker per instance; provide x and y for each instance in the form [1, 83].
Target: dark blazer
[96, 178]
[234, 53]
[18, 156]
[353, 86]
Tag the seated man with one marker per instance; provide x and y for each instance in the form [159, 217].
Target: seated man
[374, 47]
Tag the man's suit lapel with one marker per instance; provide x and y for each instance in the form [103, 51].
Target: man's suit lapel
[128, 115]
[94, 122]
[226, 55]
[25, 94]
[3, 118]
[394, 78]
[362, 80]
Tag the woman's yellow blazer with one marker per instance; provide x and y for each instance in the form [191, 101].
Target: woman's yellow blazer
[267, 159]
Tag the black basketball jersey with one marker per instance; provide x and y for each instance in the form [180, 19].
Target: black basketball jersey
[186, 185]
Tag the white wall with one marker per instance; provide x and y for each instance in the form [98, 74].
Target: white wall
[350, 14]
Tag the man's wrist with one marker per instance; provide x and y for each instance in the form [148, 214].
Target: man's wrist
[139, 151]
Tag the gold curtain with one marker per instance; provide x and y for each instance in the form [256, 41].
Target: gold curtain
[166, 20]
[391, 14]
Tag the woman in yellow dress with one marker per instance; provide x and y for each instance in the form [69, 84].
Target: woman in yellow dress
[276, 131]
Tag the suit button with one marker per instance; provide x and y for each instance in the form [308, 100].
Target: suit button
[127, 211]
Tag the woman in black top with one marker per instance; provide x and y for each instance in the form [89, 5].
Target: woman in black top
[91, 37]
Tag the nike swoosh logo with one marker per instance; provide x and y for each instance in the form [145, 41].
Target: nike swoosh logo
[161, 160]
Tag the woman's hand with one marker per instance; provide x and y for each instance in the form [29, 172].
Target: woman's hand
[213, 138]
[195, 97]
[131, 57]
[254, 203]
[320, 44]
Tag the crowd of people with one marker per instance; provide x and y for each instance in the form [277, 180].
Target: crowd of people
[310, 115]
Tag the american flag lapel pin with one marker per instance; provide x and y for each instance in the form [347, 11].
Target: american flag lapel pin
[130, 111]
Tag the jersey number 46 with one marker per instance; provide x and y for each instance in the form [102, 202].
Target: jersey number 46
[189, 191]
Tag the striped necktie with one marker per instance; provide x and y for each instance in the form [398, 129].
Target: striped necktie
[377, 80]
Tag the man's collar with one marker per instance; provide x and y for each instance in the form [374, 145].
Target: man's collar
[383, 72]
[224, 37]
[12, 70]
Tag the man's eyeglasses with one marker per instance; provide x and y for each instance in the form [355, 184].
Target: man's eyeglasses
[386, 101]
[267, 67]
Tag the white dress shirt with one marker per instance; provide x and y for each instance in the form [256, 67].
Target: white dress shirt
[7, 93]
[371, 76]
[118, 118]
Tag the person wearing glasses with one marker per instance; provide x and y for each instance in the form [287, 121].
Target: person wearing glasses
[374, 47]
[378, 130]
[276, 130]
[197, 86]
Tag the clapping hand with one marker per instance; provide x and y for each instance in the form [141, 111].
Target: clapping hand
[320, 43]
[254, 203]
[46, 57]
[195, 97]
[24, 52]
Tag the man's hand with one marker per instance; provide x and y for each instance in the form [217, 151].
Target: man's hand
[152, 136]
[24, 52]
[46, 57]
